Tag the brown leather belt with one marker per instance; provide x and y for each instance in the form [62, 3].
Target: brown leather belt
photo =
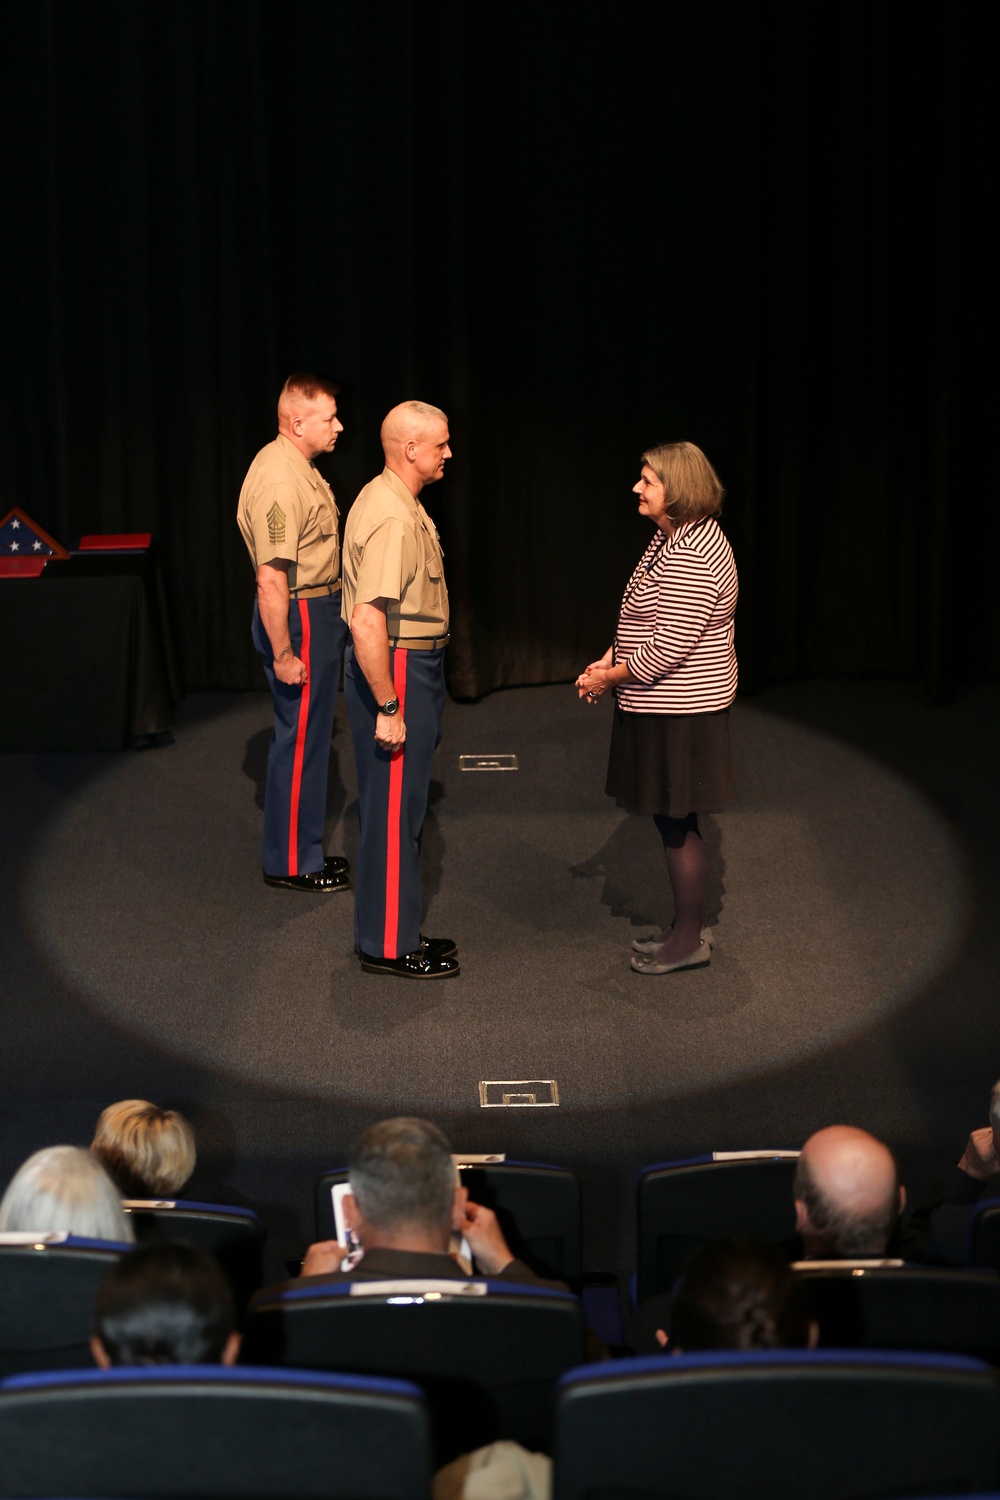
[318, 592]
[419, 642]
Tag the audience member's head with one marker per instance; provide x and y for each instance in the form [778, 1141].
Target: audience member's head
[148, 1151]
[848, 1196]
[404, 1187]
[64, 1189]
[165, 1304]
[739, 1293]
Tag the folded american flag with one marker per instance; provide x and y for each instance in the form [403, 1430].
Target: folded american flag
[20, 536]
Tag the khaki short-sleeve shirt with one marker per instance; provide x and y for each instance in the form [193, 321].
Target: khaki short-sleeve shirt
[287, 511]
[392, 551]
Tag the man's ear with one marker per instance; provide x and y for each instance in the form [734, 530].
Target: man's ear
[458, 1208]
[902, 1199]
[352, 1214]
[101, 1356]
[801, 1217]
[231, 1352]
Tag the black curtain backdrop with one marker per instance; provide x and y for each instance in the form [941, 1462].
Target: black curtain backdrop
[581, 230]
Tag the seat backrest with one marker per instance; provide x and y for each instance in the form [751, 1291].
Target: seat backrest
[47, 1291]
[235, 1236]
[984, 1234]
[488, 1356]
[209, 1431]
[681, 1205]
[951, 1310]
[538, 1207]
[780, 1425]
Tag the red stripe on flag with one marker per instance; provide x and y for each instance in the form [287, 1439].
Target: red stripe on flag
[391, 938]
[300, 746]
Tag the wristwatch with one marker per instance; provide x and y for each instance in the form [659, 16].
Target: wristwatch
[389, 708]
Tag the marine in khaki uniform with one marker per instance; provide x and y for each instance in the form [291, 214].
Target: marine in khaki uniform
[288, 518]
[396, 602]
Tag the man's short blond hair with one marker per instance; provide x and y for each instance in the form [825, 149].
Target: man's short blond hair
[150, 1152]
[300, 389]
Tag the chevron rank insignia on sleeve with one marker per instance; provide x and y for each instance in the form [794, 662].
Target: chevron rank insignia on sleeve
[276, 524]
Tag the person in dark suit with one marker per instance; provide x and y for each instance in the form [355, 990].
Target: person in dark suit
[404, 1206]
[939, 1228]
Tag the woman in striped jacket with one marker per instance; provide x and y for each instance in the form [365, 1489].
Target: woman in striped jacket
[673, 670]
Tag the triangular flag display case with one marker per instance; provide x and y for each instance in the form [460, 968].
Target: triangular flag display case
[25, 547]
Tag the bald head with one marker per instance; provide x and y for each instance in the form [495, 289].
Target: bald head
[408, 422]
[847, 1193]
[415, 442]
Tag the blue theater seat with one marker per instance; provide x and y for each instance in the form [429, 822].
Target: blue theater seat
[171, 1432]
[47, 1291]
[940, 1309]
[487, 1353]
[680, 1205]
[235, 1236]
[984, 1234]
[777, 1425]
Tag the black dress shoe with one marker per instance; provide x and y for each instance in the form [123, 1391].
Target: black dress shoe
[335, 864]
[318, 881]
[418, 965]
[432, 947]
[439, 947]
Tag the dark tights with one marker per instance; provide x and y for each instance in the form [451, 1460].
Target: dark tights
[682, 844]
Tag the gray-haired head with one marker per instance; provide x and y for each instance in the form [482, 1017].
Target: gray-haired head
[402, 1174]
[64, 1189]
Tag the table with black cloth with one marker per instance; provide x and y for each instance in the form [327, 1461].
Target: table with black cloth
[87, 661]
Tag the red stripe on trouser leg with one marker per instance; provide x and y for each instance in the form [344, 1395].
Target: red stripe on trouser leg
[393, 825]
[300, 746]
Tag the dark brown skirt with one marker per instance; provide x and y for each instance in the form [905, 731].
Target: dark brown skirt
[670, 763]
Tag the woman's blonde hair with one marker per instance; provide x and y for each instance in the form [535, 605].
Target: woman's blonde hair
[690, 484]
[148, 1151]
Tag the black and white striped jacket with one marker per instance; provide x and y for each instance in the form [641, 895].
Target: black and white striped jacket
[675, 630]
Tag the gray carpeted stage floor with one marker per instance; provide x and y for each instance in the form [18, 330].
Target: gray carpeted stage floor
[852, 975]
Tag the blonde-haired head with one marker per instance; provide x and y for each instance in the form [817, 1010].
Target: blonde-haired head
[149, 1152]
